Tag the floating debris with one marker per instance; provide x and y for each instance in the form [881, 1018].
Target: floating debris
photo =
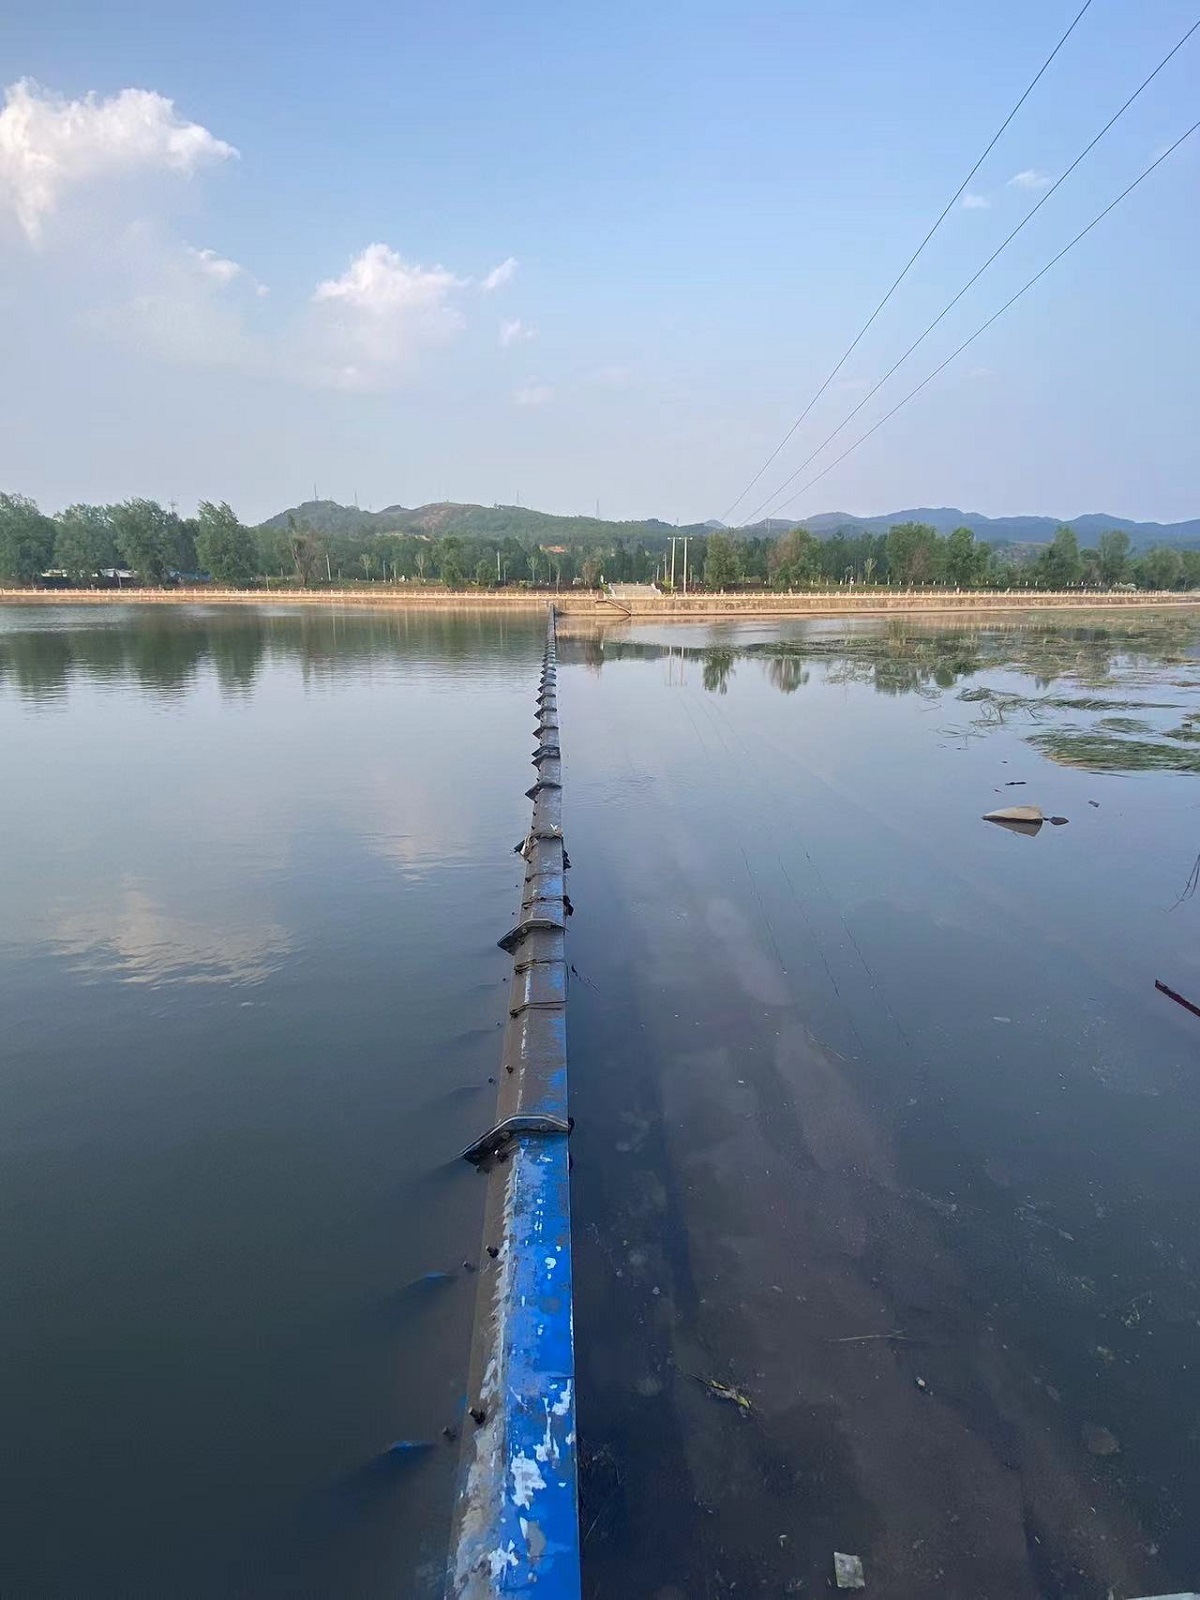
[724, 1391]
[862, 1338]
[1192, 884]
[1023, 819]
[1099, 1441]
[1178, 998]
[1017, 819]
[848, 1571]
[1131, 1313]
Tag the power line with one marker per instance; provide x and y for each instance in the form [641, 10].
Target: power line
[945, 311]
[850, 349]
[954, 354]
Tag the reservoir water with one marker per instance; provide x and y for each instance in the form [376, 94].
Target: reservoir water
[881, 1121]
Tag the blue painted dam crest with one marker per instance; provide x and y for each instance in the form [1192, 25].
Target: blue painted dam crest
[516, 1528]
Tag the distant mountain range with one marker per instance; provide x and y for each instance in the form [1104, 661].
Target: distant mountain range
[1005, 530]
[521, 522]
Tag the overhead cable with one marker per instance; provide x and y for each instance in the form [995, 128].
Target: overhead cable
[849, 351]
[954, 354]
[945, 311]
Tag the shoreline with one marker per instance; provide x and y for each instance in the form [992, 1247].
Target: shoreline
[662, 608]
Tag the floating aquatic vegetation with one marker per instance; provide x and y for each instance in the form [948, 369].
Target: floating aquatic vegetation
[1125, 725]
[1106, 752]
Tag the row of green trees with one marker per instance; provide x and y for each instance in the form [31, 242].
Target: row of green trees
[914, 553]
[159, 546]
[138, 535]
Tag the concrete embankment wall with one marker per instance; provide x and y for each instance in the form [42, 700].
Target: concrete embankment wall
[816, 603]
[884, 602]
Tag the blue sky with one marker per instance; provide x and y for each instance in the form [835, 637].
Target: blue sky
[693, 206]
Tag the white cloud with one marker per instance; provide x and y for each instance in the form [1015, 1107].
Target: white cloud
[1030, 178]
[975, 202]
[374, 320]
[363, 330]
[216, 267]
[49, 144]
[516, 332]
[223, 271]
[176, 303]
[533, 394]
[83, 181]
[499, 276]
[380, 283]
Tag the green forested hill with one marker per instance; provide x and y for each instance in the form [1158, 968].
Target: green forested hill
[476, 522]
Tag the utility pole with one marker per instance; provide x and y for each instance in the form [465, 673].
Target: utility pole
[672, 563]
[328, 569]
[686, 537]
[497, 566]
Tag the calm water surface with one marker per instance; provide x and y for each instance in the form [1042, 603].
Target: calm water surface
[846, 1061]
[854, 1063]
[255, 868]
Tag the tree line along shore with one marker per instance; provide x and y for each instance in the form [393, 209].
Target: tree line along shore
[140, 542]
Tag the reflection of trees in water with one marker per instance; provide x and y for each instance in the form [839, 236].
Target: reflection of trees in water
[718, 664]
[895, 663]
[1113, 660]
[589, 650]
[38, 665]
[904, 657]
[163, 652]
[237, 654]
[787, 673]
[165, 658]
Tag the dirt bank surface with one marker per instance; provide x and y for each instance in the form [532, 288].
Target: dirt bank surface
[614, 612]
